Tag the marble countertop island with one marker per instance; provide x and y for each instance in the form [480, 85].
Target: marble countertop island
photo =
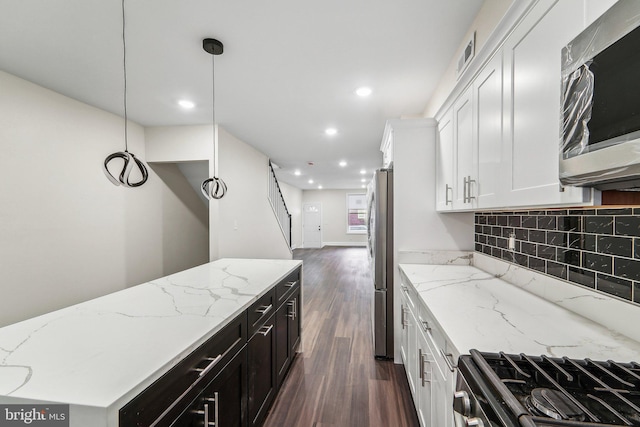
[98, 355]
[477, 310]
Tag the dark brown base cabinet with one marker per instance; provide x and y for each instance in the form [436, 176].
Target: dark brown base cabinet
[232, 379]
[261, 353]
[223, 399]
[287, 334]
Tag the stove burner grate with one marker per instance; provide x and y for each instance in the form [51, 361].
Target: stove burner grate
[553, 404]
[562, 390]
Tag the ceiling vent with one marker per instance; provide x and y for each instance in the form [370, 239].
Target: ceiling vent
[467, 55]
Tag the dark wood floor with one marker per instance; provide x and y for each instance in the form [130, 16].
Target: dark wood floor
[336, 381]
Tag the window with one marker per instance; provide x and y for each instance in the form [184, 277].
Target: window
[356, 213]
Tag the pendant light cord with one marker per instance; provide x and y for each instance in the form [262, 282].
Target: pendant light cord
[214, 187]
[213, 115]
[129, 159]
[124, 70]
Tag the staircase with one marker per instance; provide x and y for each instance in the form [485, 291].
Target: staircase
[279, 206]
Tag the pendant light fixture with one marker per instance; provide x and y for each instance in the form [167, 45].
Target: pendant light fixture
[214, 188]
[130, 160]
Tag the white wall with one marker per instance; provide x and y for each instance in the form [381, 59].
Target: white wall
[417, 226]
[66, 233]
[247, 225]
[334, 216]
[485, 22]
[242, 223]
[293, 198]
[179, 143]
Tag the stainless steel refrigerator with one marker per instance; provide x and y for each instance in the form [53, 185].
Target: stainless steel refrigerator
[380, 247]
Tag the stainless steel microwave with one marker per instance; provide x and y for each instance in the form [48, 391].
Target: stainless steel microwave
[600, 105]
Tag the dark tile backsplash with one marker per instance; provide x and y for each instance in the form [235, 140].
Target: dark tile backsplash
[594, 248]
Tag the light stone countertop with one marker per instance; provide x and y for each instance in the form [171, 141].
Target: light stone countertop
[477, 310]
[98, 355]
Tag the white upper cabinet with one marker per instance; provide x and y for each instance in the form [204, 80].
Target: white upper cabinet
[503, 127]
[532, 104]
[487, 189]
[470, 145]
[595, 8]
[463, 148]
[445, 157]
[387, 148]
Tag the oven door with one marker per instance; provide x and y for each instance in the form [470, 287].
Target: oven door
[476, 400]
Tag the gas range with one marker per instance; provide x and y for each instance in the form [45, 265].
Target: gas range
[508, 390]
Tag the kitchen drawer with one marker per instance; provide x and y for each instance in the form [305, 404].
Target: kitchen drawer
[166, 397]
[261, 310]
[438, 341]
[412, 296]
[287, 286]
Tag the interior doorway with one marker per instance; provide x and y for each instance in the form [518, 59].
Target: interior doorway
[312, 225]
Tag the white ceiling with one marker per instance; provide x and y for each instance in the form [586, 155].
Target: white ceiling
[289, 70]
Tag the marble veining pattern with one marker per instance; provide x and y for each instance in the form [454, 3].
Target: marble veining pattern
[108, 349]
[476, 309]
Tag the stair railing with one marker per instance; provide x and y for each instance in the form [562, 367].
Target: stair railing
[279, 206]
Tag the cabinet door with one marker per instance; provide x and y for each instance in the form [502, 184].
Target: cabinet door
[223, 401]
[443, 384]
[532, 66]
[295, 322]
[408, 345]
[261, 356]
[412, 354]
[283, 353]
[404, 331]
[463, 149]
[444, 163]
[287, 334]
[487, 154]
[425, 379]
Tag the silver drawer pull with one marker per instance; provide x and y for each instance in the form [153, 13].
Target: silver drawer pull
[210, 366]
[263, 309]
[290, 284]
[265, 332]
[448, 359]
[213, 400]
[293, 305]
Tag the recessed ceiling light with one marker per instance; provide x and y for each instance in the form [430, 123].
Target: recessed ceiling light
[343, 163]
[186, 104]
[362, 171]
[319, 187]
[363, 180]
[297, 172]
[331, 131]
[310, 181]
[363, 91]
[363, 186]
